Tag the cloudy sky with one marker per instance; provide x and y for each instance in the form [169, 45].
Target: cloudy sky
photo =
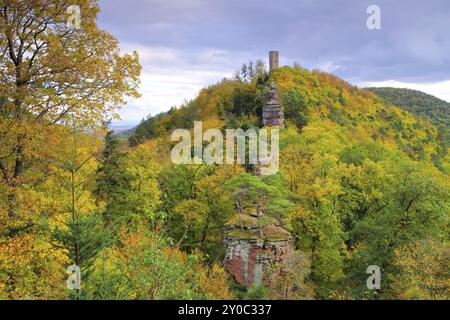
[187, 44]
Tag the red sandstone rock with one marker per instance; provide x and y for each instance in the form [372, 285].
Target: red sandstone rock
[249, 258]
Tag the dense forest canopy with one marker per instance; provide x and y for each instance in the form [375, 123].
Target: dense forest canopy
[417, 102]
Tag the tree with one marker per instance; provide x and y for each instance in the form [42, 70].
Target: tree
[263, 195]
[411, 207]
[110, 161]
[178, 182]
[31, 269]
[244, 72]
[289, 280]
[83, 239]
[49, 71]
[295, 108]
[134, 191]
[194, 216]
[210, 191]
[112, 180]
[424, 271]
[144, 266]
[84, 236]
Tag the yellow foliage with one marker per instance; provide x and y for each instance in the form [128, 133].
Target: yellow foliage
[425, 271]
[214, 282]
[31, 269]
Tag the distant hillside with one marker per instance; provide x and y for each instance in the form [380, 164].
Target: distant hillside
[437, 110]
[414, 101]
[123, 133]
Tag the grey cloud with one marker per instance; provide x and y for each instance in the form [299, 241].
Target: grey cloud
[414, 43]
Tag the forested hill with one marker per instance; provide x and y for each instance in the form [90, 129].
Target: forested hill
[437, 110]
[310, 98]
[361, 182]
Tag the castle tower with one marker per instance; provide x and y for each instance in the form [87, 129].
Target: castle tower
[274, 60]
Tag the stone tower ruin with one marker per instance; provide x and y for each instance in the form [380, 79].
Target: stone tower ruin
[273, 114]
[274, 60]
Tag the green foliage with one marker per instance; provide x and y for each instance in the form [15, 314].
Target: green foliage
[244, 101]
[197, 206]
[178, 183]
[112, 183]
[424, 105]
[256, 292]
[413, 207]
[295, 107]
[417, 102]
[127, 184]
[358, 152]
[165, 122]
[146, 268]
[83, 239]
[250, 191]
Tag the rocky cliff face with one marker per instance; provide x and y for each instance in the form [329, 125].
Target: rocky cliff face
[253, 248]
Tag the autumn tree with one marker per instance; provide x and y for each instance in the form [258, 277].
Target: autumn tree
[424, 271]
[127, 185]
[146, 267]
[31, 269]
[289, 279]
[49, 71]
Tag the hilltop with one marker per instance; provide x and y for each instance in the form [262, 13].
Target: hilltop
[311, 99]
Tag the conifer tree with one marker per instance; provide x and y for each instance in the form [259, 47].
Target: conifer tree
[84, 235]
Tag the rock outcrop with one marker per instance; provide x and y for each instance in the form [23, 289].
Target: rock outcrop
[255, 243]
[252, 247]
[273, 114]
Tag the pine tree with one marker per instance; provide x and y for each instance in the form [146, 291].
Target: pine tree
[84, 235]
[110, 163]
[244, 72]
[112, 183]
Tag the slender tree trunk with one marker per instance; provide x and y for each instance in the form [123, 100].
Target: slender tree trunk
[11, 205]
[18, 169]
[205, 230]
[240, 215]
[73, 196]
[259, 214]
